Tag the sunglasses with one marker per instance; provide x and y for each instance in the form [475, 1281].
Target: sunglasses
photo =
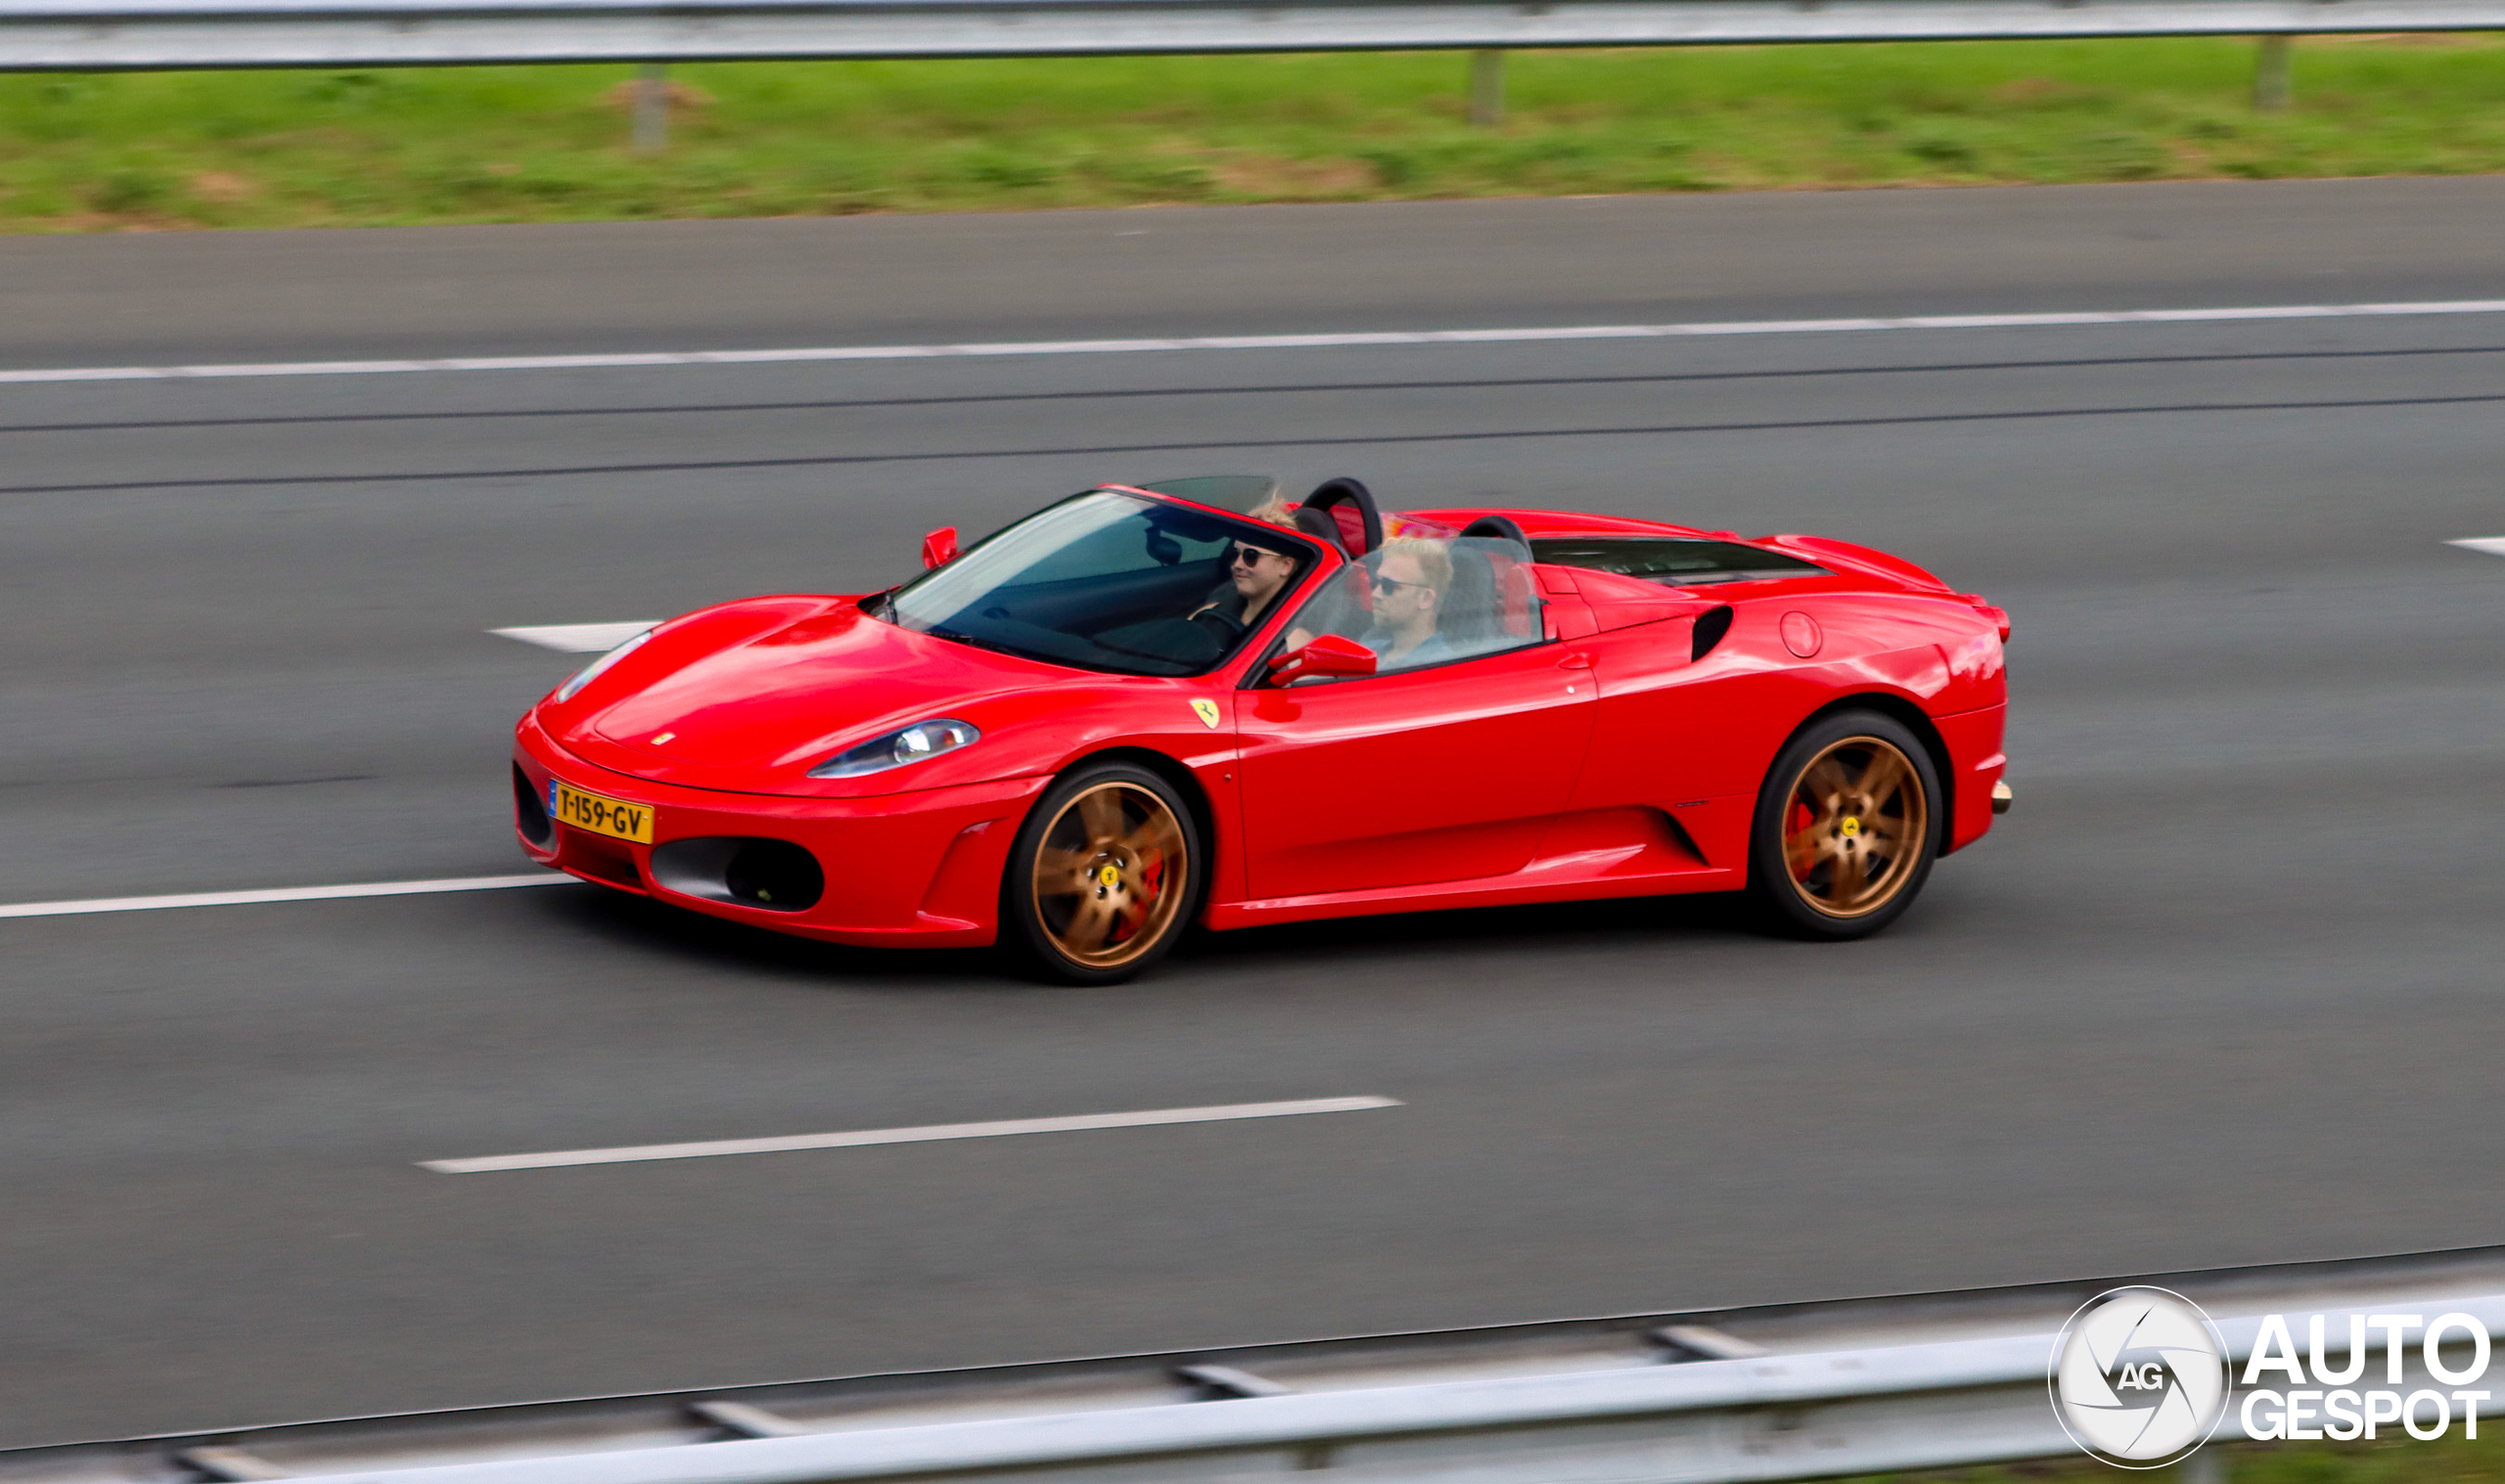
[1250, 556]
[1388, 586]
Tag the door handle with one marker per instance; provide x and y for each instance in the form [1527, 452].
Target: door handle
[1575, 659]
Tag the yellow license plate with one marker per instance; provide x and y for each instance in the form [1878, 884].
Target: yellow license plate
[601, 816]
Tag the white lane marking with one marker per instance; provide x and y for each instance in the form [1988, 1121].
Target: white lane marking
[579, 638]
[1252, 341]
[924, 1134]
[281, 894]
[2493, 546]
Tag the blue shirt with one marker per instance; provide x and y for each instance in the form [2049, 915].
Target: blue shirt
[1431, 649]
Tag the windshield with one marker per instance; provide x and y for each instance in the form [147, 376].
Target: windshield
[1111, 581]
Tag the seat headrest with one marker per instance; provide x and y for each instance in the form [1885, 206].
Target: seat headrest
[1319, 525]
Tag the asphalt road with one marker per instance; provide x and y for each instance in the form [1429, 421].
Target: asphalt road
[2222, 991]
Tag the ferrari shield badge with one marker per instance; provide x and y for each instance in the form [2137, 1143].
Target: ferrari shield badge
[1206, 710]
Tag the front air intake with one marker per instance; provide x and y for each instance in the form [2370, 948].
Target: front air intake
[774, 875]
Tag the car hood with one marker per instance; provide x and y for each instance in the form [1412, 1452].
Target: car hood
[749, 695]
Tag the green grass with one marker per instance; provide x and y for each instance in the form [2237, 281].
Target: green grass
[763, 139]
[2390, 1459]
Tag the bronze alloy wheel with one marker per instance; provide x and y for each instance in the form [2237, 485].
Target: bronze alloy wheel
[1112, 871]
[1854, 828]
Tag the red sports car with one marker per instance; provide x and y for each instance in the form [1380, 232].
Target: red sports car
[1145, 708]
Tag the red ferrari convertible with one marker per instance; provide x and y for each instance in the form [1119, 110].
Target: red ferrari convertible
[1145, 708]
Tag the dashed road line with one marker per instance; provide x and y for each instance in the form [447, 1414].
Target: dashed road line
[927, 1134]
[281, 894]
[1318, 341]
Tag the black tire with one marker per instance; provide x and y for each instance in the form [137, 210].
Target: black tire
[1847, 826]
[1104, 877]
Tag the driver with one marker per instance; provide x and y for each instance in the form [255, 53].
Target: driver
[1257, 574]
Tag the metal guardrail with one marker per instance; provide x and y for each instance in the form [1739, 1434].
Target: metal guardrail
[1682, 1405]
[106, 34]
[1761, 1418]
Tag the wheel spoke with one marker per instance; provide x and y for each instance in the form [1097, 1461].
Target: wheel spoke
[1881, 781]
[1101, 813]
[1054, 863]
[1091, 927]
[1155, 835]
[1823, 784]
[1847, 877]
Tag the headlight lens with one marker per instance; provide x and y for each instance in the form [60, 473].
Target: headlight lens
[924, 739]
[592, 671]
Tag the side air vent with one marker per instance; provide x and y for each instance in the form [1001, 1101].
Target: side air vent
[1709, 629]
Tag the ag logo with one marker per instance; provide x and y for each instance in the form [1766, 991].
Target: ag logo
[1206, 710]
[2139, 1378]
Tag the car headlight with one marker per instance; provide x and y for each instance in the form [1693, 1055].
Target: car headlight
[592, 671]
[924, 739]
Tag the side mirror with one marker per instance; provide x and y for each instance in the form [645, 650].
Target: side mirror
[1327, 655]
[940, 548]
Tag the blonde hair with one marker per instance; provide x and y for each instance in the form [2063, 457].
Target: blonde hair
[1275, 511]
[1434, 559]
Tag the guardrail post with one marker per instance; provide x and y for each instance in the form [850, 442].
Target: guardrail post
[651, 105]
[2270, 74]
[1487, 88]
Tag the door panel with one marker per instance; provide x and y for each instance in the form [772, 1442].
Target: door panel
[1436, 775]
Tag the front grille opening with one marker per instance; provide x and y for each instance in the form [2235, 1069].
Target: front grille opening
[530, 811]
[774, 875]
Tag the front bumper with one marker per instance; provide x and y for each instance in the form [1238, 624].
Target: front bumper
[920, 868]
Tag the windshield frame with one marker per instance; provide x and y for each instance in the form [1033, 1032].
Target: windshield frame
[1314, 556]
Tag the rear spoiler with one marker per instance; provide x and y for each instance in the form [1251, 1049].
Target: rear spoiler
[1829, 552]
[1826, 551]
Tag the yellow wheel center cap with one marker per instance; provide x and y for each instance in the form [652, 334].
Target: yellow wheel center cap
[1108, 876]
[1850, 827]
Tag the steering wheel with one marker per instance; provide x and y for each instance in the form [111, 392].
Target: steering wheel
[1336, 492]
[1225, 626]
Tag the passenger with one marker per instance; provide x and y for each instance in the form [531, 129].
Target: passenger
[1410, 580]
